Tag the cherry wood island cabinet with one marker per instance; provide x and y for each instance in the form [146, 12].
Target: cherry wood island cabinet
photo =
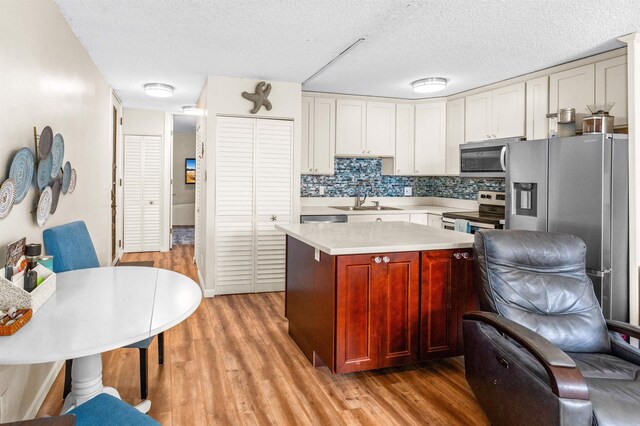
[356, 312]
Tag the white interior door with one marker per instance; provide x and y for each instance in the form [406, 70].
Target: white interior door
[234, 227]
[142, 193]
[274, 183]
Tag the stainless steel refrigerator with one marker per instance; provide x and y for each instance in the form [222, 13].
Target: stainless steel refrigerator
[578, 185]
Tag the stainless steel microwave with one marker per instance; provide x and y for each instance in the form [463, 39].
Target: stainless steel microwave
[484, 159]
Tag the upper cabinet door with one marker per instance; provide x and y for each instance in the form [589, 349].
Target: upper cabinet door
[381, 129]
[455, 135]
[405, 139]
[508, 111]
[306, 149]
[431, 123]
[324, 136]
[351, 121]
[572, 88]
[478, 120]
[537, 124]
[611, 86]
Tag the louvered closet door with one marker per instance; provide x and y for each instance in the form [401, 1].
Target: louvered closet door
[132, 193]
[142, 193]
[234, 242]
[274, 181]
[151, 193]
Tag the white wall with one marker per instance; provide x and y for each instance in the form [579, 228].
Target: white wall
[47, 78]
[184, 196]
[223, 97]
[156, 123]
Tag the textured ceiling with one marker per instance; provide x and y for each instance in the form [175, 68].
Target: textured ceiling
[472, 43]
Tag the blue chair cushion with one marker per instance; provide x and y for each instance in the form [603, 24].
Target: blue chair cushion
[105, 409]
[71, 247]
[142, 344]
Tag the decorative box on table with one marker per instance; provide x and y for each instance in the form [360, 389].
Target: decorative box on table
[13, 295]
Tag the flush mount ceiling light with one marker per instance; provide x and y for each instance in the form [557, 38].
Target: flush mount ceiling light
[429, 85]
[158, 90]
[191, 110]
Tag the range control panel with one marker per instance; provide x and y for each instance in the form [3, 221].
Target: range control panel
[493, 198]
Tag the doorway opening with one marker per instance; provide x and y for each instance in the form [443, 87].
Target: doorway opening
[184, 180]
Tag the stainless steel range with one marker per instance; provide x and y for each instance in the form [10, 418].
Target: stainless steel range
[490, 214]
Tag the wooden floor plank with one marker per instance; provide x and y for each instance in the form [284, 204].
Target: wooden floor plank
[233, 363]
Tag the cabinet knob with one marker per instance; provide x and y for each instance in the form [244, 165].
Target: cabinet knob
[274, 218]
[417, 171]
[368, 152]
[363, 151]
[398, 171]
[488, 136]
[493, 136]
[377, 259]
[316, 170]
[386, 259]
[457, 255]
[379, 219]
[465, 255]
[310, 170]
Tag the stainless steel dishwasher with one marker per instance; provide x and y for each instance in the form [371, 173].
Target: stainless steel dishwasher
[334, 218]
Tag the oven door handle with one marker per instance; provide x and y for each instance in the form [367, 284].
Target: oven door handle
[503, 158]
[482, 225]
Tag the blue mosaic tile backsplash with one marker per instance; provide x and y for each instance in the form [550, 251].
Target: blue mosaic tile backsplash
[350, 170]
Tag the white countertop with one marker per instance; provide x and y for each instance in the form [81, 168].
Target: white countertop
[375, 237]
[402, 209]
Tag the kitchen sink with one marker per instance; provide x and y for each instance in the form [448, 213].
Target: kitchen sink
[364, 208]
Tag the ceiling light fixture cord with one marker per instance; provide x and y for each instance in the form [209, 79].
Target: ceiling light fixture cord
[344, 52]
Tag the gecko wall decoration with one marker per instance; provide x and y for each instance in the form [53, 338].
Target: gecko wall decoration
[259, 98]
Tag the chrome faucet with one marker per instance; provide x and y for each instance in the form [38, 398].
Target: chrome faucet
[359, 187]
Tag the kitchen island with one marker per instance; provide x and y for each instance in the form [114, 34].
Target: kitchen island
[361, 296]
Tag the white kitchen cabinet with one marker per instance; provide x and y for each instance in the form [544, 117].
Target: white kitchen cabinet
[351, 128]
[405, 140]
[478, 116]
[430, 134]
[318, 136]
[419, 218]
[493, 114]
[381, 129]
[378, 218]
[611, 86]
[434, 220]
[306, 136]
[253, 192]
[537, 124]
[508, 111]
[573, 88]
[455, 135]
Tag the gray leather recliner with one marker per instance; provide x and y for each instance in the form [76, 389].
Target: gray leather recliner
[541, 353]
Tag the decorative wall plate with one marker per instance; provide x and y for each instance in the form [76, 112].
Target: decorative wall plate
[57, 152]
[44, 206]
[55, 194]
[72, 181]
[44, 172]
[66, 177]
[7, 197]
[44, 144]
[21, 172]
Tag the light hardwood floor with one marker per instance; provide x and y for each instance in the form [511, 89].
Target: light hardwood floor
[232, 362]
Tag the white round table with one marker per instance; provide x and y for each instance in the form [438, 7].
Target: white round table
[98, 310]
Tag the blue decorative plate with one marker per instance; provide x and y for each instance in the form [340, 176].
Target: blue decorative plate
[7, 197]
[44, 171]
[66, 177]
[57, 153]
[22, 172]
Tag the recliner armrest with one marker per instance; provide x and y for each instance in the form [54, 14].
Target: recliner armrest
[565, 378]
[624, 328]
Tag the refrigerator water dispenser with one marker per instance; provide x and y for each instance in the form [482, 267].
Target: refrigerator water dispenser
[526, 199]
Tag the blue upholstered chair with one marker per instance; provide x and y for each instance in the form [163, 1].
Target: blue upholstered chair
[72, 248]
[101, 410]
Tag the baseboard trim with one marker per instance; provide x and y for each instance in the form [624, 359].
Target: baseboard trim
[209, 293]
[43, 391]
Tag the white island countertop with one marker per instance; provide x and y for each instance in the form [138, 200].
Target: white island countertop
[375, 237]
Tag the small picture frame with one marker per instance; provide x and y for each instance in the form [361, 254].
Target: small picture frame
[190, 171]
